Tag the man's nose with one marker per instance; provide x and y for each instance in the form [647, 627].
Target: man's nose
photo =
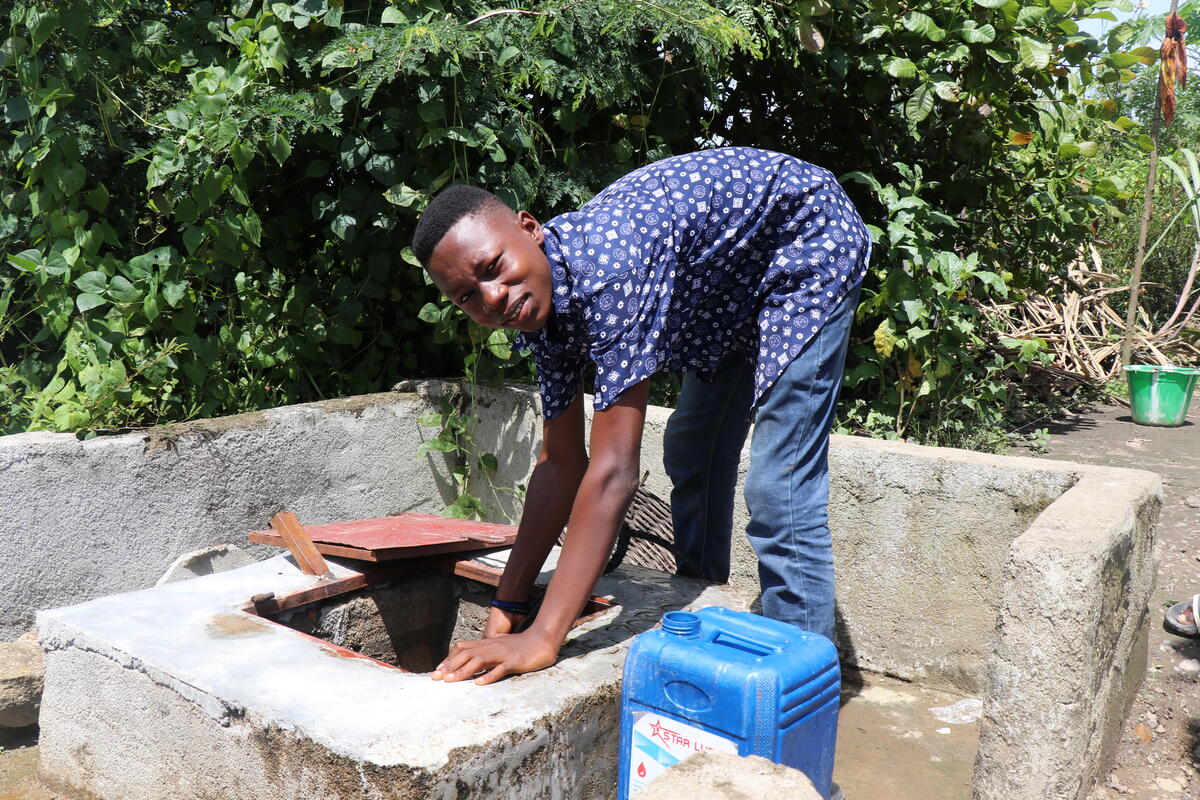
[495, 297]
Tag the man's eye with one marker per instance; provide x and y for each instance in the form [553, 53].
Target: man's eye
[493, 268]
[462, 301]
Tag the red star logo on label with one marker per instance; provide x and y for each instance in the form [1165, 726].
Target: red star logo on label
[656, 730]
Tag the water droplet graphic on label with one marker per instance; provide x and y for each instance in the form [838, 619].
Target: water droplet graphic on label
[641, 770]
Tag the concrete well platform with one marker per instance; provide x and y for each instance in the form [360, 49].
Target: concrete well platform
[176, 692]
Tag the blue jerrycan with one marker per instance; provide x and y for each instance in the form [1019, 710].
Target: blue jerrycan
[728, 680]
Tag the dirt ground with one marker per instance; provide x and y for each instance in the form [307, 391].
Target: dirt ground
[1159, 753]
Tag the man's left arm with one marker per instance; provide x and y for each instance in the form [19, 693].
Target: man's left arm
[596, 517]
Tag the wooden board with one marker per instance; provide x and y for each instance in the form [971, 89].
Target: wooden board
[403, 536]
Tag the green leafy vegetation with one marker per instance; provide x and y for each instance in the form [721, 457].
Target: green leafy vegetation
[206, 207]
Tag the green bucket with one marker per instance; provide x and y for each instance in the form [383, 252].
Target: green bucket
[1160, 395]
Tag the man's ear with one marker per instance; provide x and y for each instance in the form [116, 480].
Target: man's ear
[531, 226]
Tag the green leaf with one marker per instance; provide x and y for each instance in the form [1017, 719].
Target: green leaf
[17, 109]
[242, 154]
[1063, 6]
[432, 111]
[382, 167]
[279, 147]
[499, 345]
[87, 301]
[914, 309]
[919, 104]
[252, 227]
[97, 198]
[192, 237]
[179, 118]
[393, 16]
[344, 226]
[1034, 54]
[901, 68]
[977, 34]
[948, 90]
[70, 179]
[94, 282]
[1030, 15]
[150, 306]
[991, 3]
[27, 260]
[173, 292]
[41, 22]
[430, 312]
[403, 195]
[353, 152]
[923, 25]
[1087, 149]
[1068, 150]
[120, 289]
[507, 54]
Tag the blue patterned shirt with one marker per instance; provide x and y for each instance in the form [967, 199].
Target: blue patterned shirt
[688, 260]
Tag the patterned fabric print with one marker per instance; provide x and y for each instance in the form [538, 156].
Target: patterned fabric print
[689, 259]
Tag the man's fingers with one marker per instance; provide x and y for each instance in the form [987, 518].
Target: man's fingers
[497, 672]
[466, 670]
[452, 663]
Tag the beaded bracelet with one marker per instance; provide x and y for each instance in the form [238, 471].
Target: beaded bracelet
[515, 608]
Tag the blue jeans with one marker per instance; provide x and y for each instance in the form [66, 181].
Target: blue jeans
[787, 484]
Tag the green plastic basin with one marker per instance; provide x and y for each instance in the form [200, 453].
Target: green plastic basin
[1160, 395]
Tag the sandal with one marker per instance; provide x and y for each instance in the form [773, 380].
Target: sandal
[1171, 623]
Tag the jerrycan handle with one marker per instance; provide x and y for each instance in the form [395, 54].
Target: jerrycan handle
[756, 648]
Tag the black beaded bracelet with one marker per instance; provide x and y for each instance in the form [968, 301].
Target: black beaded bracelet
[515, 608]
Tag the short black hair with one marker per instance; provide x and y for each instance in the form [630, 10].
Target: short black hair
[443, 213]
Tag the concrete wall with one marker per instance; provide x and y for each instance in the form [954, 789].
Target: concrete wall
[1069, 651]
[84, 519]
[930, 544]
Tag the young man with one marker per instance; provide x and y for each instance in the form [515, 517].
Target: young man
[736, 266]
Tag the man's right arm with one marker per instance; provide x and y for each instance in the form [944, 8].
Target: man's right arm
[560, 467]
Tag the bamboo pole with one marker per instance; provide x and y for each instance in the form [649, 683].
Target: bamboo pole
[1147, 208]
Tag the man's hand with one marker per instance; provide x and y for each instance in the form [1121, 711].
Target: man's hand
[501, 622]
[506, 654]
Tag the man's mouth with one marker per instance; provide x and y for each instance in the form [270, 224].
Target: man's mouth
[513, 315]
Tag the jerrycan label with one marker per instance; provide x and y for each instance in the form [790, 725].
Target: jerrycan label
[660, 742]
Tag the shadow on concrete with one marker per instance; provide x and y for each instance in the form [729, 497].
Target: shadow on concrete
[16, 738]
[852, 679]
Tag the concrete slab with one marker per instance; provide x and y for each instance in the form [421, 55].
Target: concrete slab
[189, 696]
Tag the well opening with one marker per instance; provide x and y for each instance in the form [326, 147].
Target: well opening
[405, 616]
[408, 623]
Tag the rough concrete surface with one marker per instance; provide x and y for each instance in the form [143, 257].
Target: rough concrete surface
[726, 776]
[21, 667]
[1068, 655]
[1158, 753]
[267, 713]
[205, 562]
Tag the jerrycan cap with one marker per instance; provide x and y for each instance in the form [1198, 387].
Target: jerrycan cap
[681, 623]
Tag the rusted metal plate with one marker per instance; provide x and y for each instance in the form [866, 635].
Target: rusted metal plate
[403, 536]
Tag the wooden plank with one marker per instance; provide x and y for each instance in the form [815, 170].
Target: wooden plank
[402, 536]
[271, 537]
[308, 558]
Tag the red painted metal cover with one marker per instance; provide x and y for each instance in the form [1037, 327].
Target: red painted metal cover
[401, 536]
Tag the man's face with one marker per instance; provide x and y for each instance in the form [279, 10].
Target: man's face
[491, 265]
